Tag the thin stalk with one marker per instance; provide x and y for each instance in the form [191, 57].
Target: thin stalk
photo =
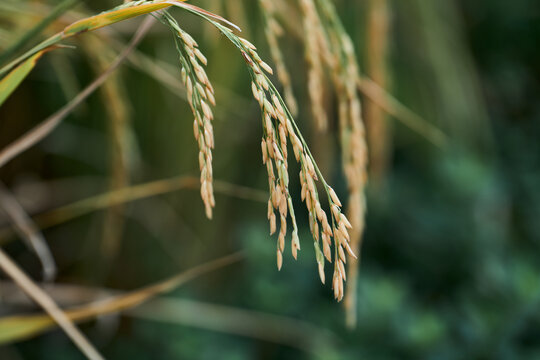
[48, 304]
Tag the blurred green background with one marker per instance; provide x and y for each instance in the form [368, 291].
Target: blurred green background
[451, 254]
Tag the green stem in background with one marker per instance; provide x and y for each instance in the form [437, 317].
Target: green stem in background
[37, 29]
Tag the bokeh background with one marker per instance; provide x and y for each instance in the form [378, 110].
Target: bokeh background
[451, 254]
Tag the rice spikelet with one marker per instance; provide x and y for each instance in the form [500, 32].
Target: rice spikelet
[200, 94]
[352, 131]
[279, 129]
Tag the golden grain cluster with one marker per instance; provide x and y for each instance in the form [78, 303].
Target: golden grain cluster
[329, 50]
[200, 95]
[324, 47]
[278, 130]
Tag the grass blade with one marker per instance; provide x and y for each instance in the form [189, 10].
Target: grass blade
[16, 328]
[13, 80]
[133, 193]
[48, 304]
[292, 332]
[138, 192]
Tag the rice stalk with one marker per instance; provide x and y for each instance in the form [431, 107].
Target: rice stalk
[200, 95]
[341, 61]
[279, 129]
[273, 31]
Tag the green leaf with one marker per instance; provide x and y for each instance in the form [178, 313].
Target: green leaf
[17, 75]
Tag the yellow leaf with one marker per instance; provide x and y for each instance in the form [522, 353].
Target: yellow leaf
[16, 76]
[111, 17]
[23, 327]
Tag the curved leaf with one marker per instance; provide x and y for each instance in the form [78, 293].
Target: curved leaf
[113, 16]
[15, 77]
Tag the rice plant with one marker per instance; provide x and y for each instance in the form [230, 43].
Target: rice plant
[331, 69]
[399, 166]
[279, 127]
